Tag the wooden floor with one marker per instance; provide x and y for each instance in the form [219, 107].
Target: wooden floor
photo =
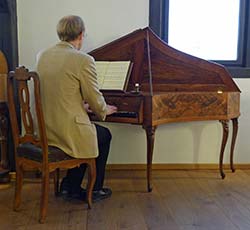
[184, 200]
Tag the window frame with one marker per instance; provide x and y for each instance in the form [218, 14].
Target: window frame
[158, 21]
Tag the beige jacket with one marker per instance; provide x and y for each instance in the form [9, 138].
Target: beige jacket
[68, 77]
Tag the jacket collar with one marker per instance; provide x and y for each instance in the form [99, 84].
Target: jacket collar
[65, 44]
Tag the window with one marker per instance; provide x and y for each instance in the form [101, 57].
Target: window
[217, 30]
[210, 28]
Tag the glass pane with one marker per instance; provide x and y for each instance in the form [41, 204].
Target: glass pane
[205, 28]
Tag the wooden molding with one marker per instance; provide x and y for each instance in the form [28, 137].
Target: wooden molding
[183, 166]
[4, 186]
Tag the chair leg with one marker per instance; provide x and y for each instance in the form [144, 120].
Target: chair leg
[56, 181]
[44, 197]
[18, 187]
[91, 181]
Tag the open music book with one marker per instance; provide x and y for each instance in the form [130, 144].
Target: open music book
[113, 75]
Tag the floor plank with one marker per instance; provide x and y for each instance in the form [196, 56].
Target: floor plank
[180, 200]
[221, 192]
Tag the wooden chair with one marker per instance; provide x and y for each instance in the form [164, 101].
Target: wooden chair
[33, 152]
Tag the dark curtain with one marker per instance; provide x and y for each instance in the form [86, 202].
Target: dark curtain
[11, 4]
[9, 46]
[8, 32]
[158, 17]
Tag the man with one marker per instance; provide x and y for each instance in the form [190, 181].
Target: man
[69, 90]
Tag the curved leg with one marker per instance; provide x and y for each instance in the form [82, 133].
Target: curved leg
[56, 181]
[223, 145]
[44, 196]
[150, 132]
[234, 135]
[91, 181]
[18, 187]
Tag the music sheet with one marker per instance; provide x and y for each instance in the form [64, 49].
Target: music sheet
[112, 74]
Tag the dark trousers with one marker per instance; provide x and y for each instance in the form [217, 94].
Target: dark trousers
[75, 175]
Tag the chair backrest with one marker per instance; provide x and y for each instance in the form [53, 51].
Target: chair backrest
[23, 77]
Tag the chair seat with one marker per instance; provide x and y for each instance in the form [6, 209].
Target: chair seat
[33, 152]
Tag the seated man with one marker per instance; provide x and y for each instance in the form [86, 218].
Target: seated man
[69, 90]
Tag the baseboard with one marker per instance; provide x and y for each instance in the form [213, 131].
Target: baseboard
[183, 166]
[12, 176]
[163, 167]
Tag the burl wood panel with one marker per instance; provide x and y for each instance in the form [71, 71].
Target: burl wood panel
[194, 106]
[234, 104]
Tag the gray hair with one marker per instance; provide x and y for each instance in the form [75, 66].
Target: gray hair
[70, 27]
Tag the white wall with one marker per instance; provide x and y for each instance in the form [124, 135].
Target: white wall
[105, 21]
[194, 142]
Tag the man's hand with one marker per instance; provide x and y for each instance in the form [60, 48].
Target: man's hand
[111, 109]
[87, 108]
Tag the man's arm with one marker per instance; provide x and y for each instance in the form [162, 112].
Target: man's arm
[90, 90]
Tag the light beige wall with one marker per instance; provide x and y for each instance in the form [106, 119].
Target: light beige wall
[105, 21]
[194, 142]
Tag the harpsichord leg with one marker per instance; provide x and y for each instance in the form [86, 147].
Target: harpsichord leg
[223, 145]
[234, 135]
[150, 132]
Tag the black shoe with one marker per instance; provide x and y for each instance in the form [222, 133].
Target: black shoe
[101, 194]
[80, 194]
[68, 194]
